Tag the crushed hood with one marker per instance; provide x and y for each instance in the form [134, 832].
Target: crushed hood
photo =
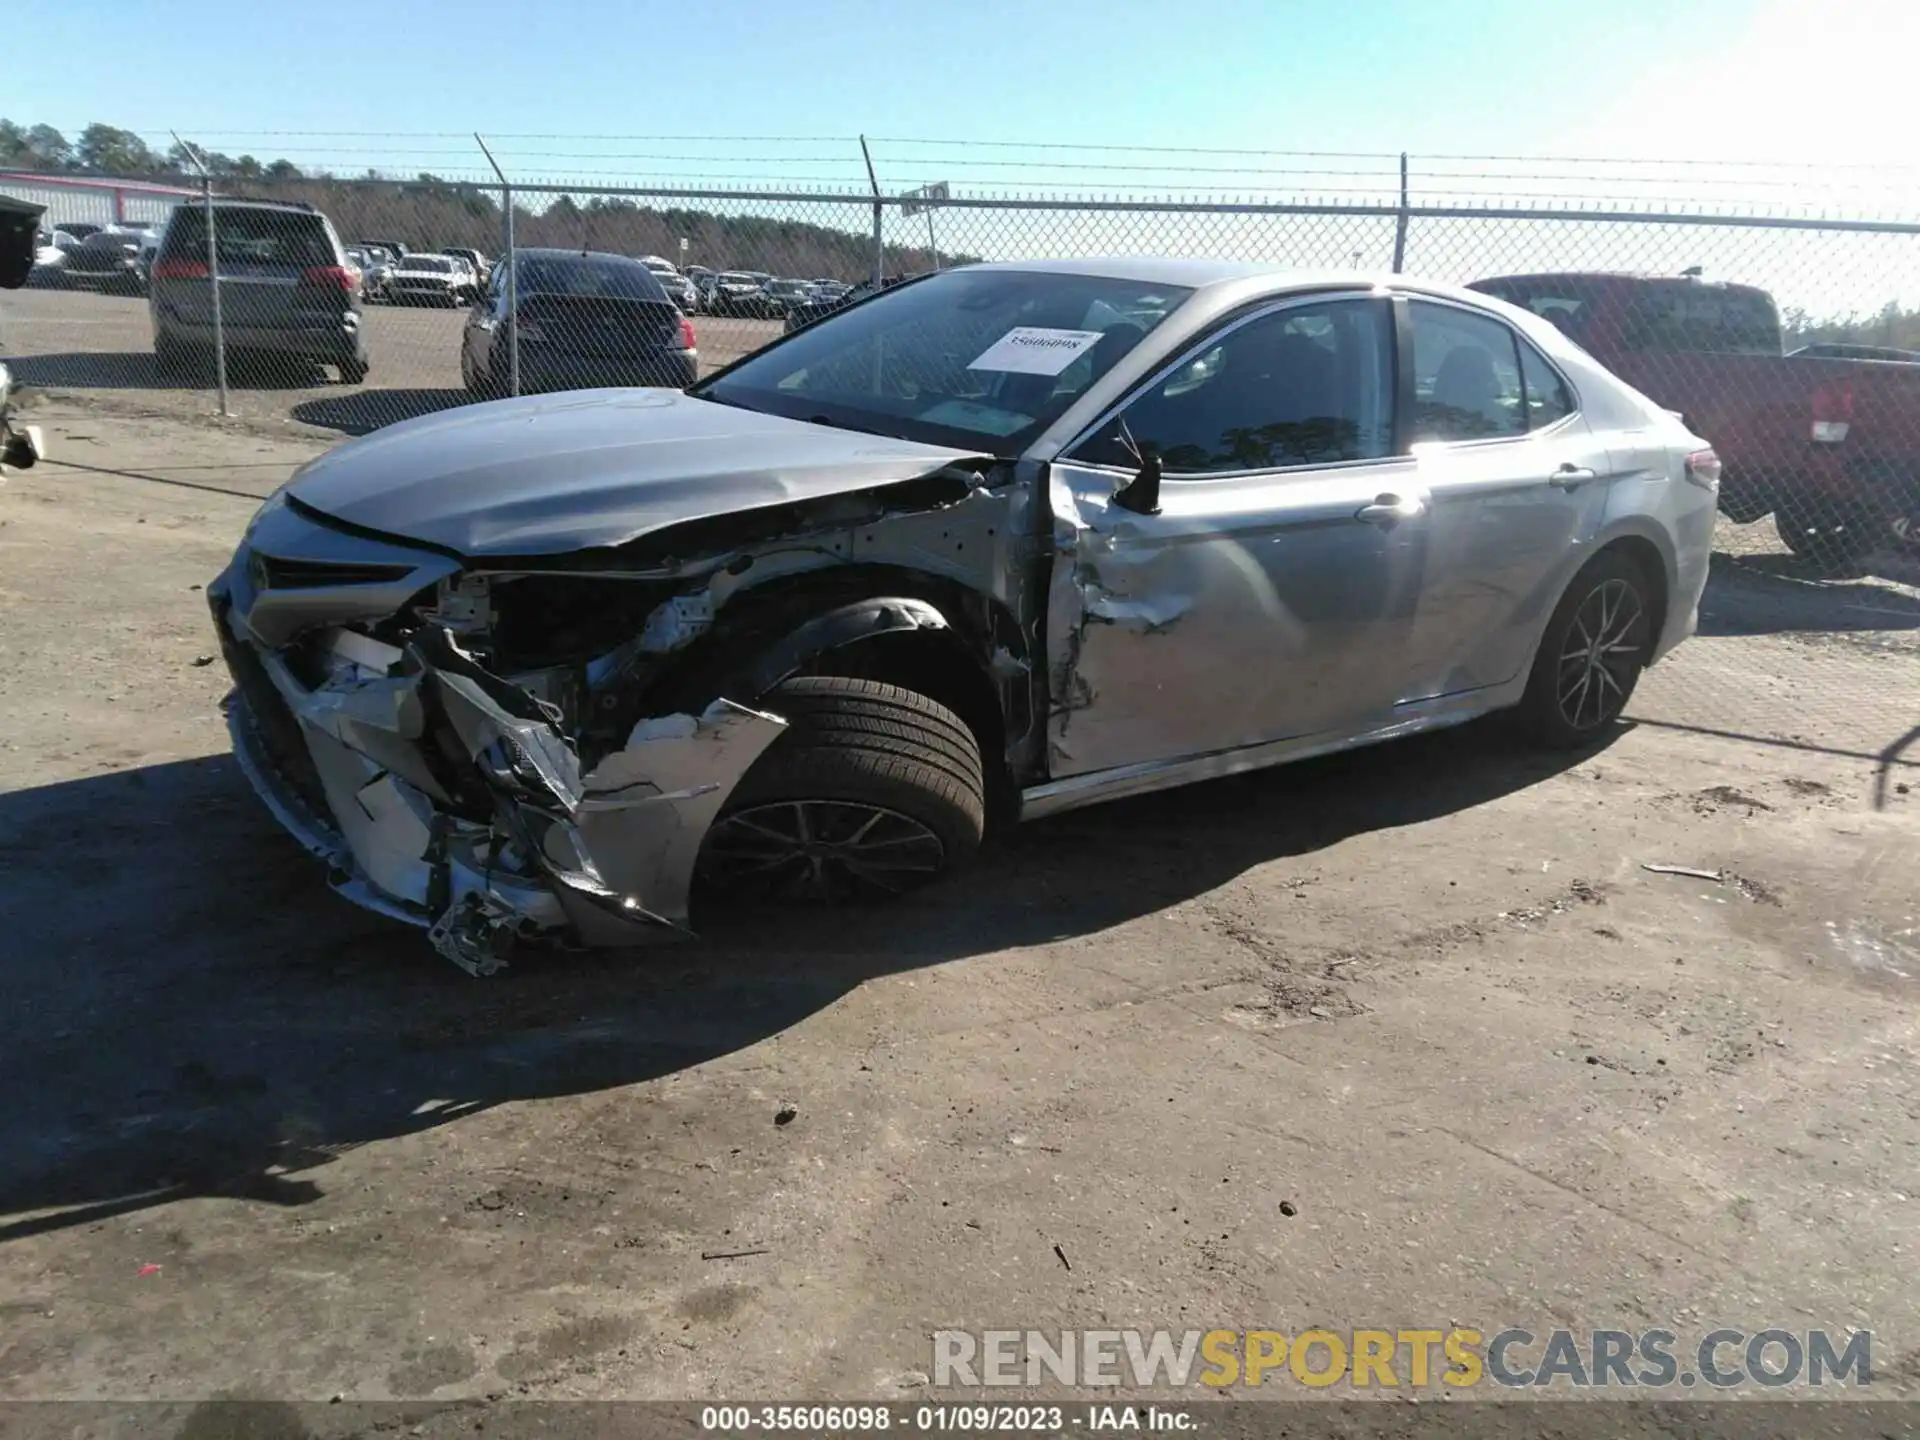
[545, 475]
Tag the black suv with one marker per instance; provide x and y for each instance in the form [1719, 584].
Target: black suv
[286, 289]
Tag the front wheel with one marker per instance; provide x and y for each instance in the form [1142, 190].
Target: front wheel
[1591, 655]
[872, 790]
[353, 371]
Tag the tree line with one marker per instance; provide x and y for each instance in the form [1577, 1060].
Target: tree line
[429, 212]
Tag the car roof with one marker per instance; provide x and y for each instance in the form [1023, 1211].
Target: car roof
[1620, 278]
[553, 253]
[1239, 280]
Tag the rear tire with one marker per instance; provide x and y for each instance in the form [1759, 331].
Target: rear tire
[872, 790]
[352, 372]
[1825, 535]
[1591, 655]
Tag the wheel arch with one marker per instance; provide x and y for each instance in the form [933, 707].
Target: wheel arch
[957, 646]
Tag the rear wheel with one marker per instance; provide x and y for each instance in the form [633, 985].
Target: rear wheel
[1591, 655]
[353, 371]
[872, 790]
[1833, 537]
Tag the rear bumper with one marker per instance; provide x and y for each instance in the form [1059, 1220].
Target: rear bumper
[323, 339]
[667, 369]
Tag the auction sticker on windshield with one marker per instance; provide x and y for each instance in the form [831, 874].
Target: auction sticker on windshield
[1036, 350]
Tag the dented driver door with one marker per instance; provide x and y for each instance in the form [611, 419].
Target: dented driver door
[1274, 592]
[1248, 610]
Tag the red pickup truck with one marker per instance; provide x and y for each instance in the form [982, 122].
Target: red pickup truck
[1830, 446]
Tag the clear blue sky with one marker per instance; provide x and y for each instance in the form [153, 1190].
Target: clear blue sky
[1506, 76]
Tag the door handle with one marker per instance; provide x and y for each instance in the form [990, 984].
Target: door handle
[1391, 509]
[1571, 477]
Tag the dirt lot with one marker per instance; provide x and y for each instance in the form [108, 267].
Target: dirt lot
[102, 345]
[1427, 996]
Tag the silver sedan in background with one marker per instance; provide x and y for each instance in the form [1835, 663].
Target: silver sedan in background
[995, 543]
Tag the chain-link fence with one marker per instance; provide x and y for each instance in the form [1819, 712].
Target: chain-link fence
[1791, 342]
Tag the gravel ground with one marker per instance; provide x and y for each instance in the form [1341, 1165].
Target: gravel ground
[1409, 1037]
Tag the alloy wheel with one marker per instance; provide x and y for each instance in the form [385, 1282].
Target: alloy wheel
[1601, 654]
[820, 850]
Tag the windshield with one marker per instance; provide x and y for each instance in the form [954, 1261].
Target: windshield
[982, 358]
[789, 287]
[437, 264]
[738, 277]
[617, 279]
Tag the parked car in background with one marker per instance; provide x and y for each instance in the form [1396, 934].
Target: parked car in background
[1829, 446]
[826, 291]
[849, 295]
[109, 260]
[584, 320]
[742, 293]
[423, 279]
[482, 267]
[702, 279]
[285, 289]
[789, 632]
[79, 230]
[50, 249]
[376, 272]
[679, 288]
[784, 294]
[393, 248]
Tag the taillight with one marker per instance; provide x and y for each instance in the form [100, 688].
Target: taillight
[329, 277]
[1832, 413]
[686, 334]
[1703, 469]
[181, 270]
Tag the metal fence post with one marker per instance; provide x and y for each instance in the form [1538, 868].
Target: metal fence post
[513, 276]
[879, 236]
[213, 266]
[213, 281]
[1400, 223]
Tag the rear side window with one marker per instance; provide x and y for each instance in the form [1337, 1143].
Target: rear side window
[1548, 399]
[1466, 376]
[252, 237]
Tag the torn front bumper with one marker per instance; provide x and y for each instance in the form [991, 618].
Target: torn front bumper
[448, 797]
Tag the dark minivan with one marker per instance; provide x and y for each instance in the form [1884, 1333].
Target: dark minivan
[585, 321]
[285, 288]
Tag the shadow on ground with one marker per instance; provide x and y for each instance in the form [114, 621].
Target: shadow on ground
[358, 412]
[1778, 594]
[191, 1013]
[138, 370]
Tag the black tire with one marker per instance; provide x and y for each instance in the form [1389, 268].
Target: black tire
[353, 371]
[871, 791]
[1826, 535]
[1591, 654]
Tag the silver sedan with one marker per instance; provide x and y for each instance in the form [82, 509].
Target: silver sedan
[997, 542]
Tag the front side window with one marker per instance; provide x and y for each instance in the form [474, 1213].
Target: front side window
[1466, 376]
[1308, 385]
[982, 358]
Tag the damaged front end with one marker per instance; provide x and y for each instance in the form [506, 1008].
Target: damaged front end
[537, 751]
[451, 797]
